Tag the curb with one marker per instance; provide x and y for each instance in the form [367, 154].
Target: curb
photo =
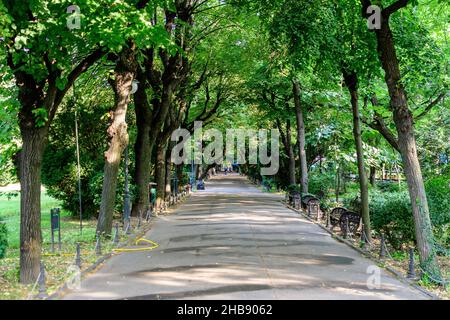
[367, 255]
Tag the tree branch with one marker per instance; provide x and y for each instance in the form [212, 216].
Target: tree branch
[430, 106]
[82, 67]
[365, 4]
[397, 5]
[379, 125]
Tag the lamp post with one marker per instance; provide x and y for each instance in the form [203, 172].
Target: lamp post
[192, 175]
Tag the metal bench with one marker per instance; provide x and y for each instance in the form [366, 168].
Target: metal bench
[294, 199]
[349, 223]
[312, 206]
[347, 220]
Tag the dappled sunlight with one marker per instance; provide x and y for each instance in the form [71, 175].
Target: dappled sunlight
[237, 245]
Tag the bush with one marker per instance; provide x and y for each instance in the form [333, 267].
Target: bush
[269, 183]
[294, 188]
[3, 239]
[391, 214]
[59, 166]
[438, 195]
[320, 183]
[352, 201]
[390, 186]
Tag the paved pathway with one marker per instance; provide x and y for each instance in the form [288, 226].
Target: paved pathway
[234, 242]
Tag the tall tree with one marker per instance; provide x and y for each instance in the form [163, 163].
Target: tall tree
[154, 108]
[40, 53]
[404, 124]
[351, 81]
[301, 139]
[121, 83]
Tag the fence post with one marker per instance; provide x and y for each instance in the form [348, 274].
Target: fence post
[411, 270]
[41, 282]
[116, 234]
[98, 245]
[382, 247]
[78, 256]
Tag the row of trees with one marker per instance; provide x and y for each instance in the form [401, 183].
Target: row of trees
[157, 44]
[310, 65]
[318, 47]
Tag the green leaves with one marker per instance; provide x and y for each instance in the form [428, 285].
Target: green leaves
[41, 117]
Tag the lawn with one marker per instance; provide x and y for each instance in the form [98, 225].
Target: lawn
[58, 263]
[10, 213]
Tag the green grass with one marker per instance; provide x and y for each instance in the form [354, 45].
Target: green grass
[56, 263]
[10, 214]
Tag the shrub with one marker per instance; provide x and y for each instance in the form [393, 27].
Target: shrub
[294, 188]
[390, 186]
[269, 183]
[438, 195]
[352, 201]
[320, 183]
[391, 214]
[59, 166]
[3, 239]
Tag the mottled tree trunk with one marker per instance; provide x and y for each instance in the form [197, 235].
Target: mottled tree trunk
[301, 137]
[351, 81]
[117, 136]
[160, 174]
[168, 170]
[33, 146]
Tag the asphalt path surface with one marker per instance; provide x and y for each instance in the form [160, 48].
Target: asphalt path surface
[233, 241]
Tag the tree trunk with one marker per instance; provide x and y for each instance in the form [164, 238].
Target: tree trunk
[33, 146]
[168, 188]
[286, 140]
[344, 182]
[143, 151]
[404, 124]
[290, 152]
[118, 138]
[179, 170]
[160, 174]
[373, 175]
[338, 182]
[301, 138]
[351, 81]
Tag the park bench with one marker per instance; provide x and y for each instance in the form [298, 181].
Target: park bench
[347, 220]
[293, 199]
[312, 206]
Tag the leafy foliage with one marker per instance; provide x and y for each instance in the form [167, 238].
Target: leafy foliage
[438, 194]
[3, 239]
